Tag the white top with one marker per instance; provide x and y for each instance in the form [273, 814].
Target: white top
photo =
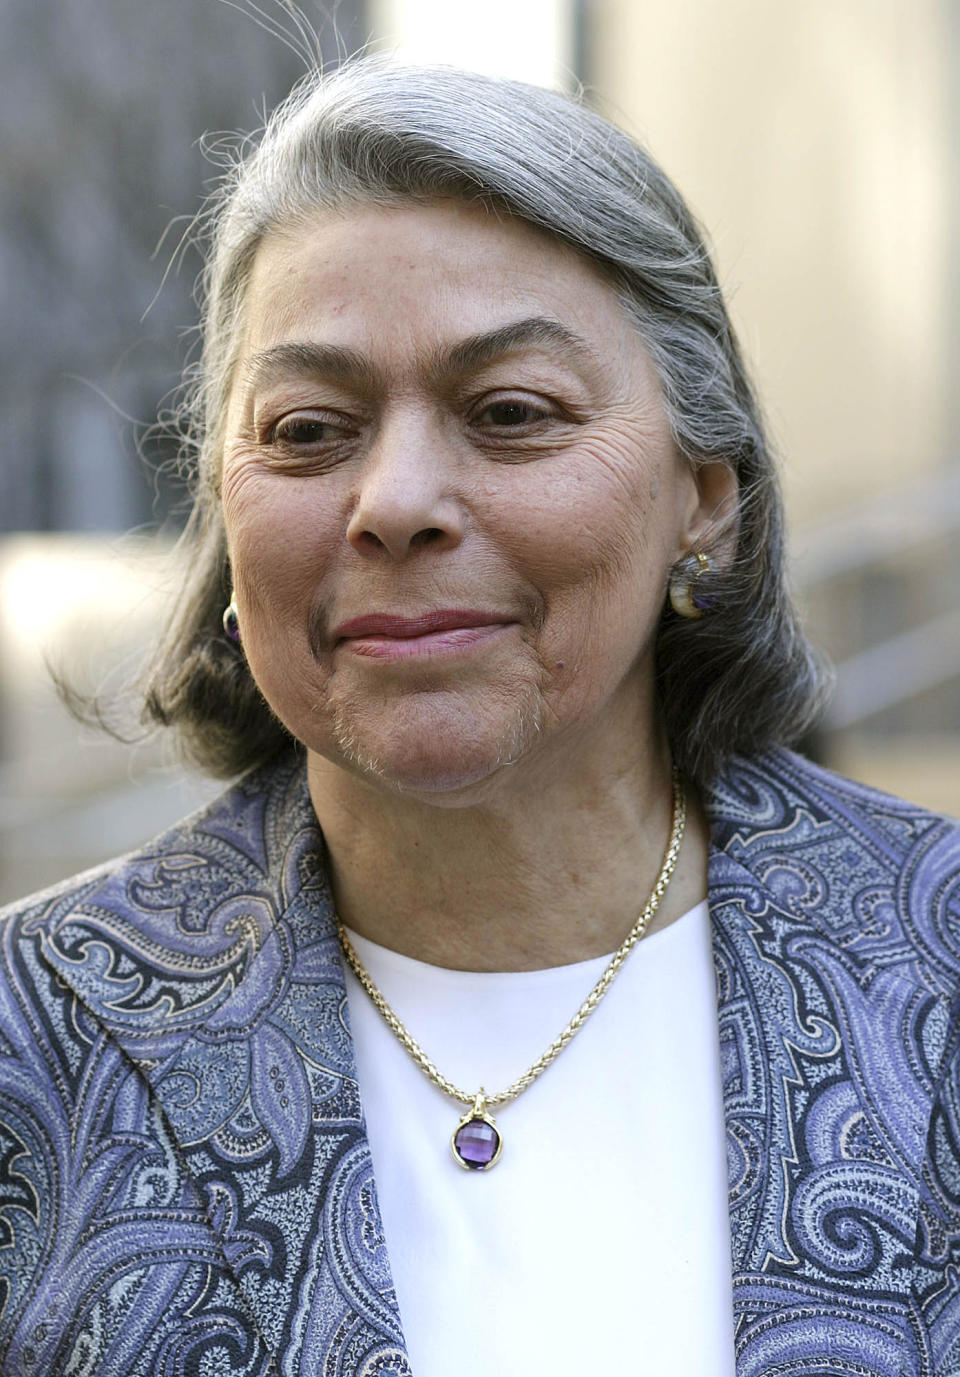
[600, 1241]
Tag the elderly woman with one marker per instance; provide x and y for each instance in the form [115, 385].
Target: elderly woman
[366, 1068]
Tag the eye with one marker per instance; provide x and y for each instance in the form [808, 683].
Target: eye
[510, 413]
[300, 431]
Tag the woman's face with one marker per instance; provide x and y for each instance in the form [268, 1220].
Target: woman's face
[451, 497]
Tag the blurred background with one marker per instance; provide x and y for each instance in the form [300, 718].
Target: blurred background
[818, 142]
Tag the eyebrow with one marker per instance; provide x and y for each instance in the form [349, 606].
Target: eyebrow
[475, 351]
[310, 359]
[307, 360]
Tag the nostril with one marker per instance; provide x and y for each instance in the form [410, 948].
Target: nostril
[397, 541]
[372, 541]
[428, 536]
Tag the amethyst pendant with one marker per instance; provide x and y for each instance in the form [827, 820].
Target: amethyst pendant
[476, 1141]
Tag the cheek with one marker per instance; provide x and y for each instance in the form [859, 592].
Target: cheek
[275, 540]
[599, 544]
[594, 526]
[277, 533]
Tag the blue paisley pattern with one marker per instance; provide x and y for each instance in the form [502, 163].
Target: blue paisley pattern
[185, 1181]
[836, 915]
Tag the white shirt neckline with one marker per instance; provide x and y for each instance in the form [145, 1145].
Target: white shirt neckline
[606, 1216]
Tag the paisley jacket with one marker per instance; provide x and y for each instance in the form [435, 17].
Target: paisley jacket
[185, 1181]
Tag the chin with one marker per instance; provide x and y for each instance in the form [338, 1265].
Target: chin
[451, 752]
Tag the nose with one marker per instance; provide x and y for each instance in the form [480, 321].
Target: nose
[407, 499]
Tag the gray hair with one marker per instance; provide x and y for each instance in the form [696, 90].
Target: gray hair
[739, 679]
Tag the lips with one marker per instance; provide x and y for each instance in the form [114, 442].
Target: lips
[430, 635]
[408, 628]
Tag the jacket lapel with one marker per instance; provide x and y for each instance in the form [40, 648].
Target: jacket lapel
[224, 984]
[830, 1045]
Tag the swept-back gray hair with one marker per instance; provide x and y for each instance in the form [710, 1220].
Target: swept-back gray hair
[737, 680]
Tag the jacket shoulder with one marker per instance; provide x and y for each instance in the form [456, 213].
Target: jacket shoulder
[153, 941]
[236, 833]
[757, 795]
[875, 874]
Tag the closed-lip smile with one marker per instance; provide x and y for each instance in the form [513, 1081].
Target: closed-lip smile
[384, 635]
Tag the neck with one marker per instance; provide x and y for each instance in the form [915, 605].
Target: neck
[539, 868]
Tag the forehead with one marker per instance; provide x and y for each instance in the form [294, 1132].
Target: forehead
[373, 277]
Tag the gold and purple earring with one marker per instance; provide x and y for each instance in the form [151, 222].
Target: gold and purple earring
[683, 586]
[231, 620]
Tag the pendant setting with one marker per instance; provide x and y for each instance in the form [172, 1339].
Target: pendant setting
[476, 1141]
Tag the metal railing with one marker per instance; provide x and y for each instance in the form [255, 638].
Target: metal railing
[866, 536]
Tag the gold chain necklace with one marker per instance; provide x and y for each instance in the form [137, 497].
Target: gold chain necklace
[477, 1141]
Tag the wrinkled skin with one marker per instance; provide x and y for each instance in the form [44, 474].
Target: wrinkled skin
[542, 484]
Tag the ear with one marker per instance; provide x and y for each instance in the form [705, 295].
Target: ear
[711, 515]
